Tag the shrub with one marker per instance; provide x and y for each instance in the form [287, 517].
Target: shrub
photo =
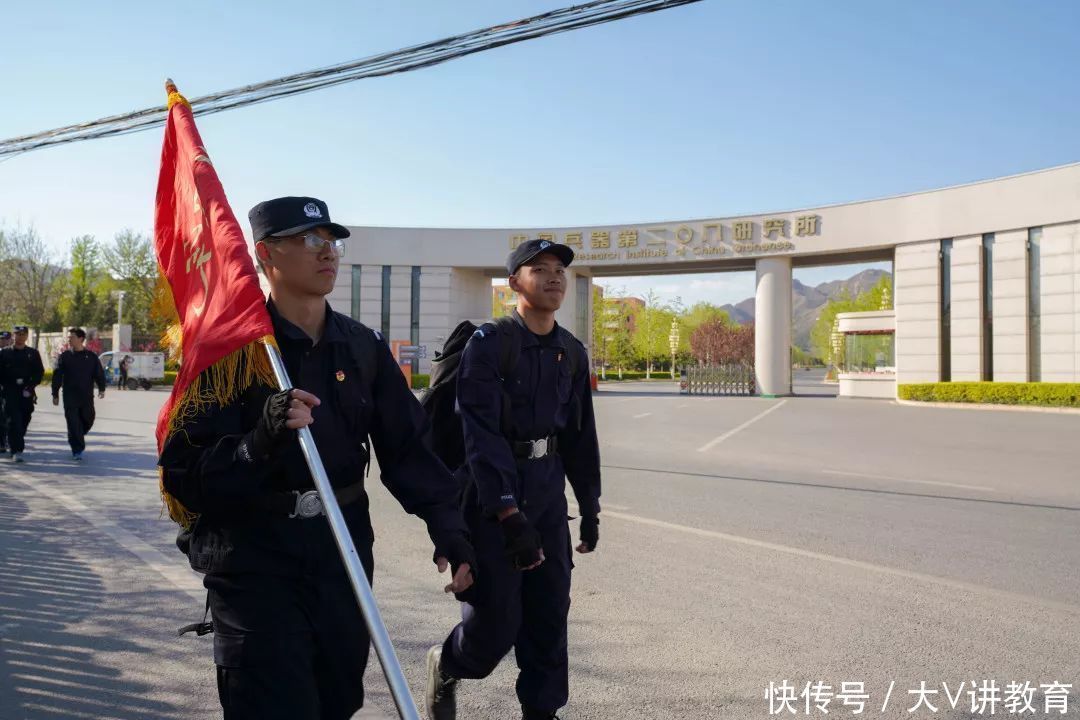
[420, 381]
[994, 393]
[613, 375]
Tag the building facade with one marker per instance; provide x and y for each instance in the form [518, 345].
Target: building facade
[987, 275]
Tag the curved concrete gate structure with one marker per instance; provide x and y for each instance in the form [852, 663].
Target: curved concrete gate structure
[417, 283]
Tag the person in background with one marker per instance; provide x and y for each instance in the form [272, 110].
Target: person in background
[77, 371]
[21, 371]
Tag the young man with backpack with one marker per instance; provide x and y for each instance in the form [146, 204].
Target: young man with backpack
[289, 638]
[523, 394]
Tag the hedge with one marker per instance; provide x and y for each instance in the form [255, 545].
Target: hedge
[994, 393]
[636, 375]
[420, 381]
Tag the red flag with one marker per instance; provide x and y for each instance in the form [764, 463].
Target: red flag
[204, 259]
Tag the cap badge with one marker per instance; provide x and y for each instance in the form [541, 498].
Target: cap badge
[340, 375]
[545, 245]
[312, 210]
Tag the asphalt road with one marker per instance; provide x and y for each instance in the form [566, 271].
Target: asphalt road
[744, 542]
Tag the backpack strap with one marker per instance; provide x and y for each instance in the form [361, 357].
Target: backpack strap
[509, 336]
[364, 348]
[509, 345]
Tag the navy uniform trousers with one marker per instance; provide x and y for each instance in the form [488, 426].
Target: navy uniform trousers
[18, 410]
[291, 647]
[509, 608]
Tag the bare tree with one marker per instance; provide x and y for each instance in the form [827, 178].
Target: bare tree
[35, 277]
[7, 282]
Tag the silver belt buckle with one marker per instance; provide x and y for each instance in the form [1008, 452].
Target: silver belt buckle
[539, 449]
[308, 505]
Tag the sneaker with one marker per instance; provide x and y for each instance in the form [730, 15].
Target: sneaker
[441, 693]
[17, 457]
[76, 456]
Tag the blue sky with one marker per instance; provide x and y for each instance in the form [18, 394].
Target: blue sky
[713, 109]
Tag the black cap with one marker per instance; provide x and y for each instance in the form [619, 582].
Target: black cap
[5, 335]
[286, 216]
[21, 329]
[529, 249]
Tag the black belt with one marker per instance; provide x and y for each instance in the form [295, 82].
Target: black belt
[535, 449]
[304, 504]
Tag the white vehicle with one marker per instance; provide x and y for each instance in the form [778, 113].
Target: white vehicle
[143, 368]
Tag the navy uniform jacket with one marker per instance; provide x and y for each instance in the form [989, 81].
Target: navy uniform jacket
[204, 470]
[77, 373]
[545, 400]
[20, 370]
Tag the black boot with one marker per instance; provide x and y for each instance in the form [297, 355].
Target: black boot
[531, 714]
[441, 692]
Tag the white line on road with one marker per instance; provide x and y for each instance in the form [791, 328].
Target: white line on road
[173, 571]
[642, 415]
[845, 473]
[713, 443]
[848, 562]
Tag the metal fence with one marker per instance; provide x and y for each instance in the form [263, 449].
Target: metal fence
[717, 380]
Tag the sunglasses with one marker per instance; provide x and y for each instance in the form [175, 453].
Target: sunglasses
[315, 243]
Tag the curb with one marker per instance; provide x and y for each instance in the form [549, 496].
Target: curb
[990, 406]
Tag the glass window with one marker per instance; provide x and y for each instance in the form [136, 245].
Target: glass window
[946, 310]
[414, 313]
[1034, 248]
[582, 309]
[356, 292]
[873, 353]
[988, 306]
[386, 302]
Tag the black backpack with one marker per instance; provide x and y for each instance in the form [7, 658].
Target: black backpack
[440, 399]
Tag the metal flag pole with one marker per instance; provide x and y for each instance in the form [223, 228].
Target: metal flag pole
[379, 637]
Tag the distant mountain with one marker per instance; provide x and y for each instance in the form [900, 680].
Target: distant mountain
[806, 302]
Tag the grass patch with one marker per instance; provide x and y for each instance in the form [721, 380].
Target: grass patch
[994, 393]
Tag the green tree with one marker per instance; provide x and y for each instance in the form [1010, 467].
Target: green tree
[611, 331]
[80, 305]
[650, 339]
[131, 262]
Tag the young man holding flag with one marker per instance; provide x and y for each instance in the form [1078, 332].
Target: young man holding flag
[289, 638]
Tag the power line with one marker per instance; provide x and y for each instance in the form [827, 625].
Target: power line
[398, 61]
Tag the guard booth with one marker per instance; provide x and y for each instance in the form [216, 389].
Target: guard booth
[734, 379]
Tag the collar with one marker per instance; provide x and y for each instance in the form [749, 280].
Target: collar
[530, 339]
[284, 329]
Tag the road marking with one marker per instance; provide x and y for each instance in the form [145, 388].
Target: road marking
[848, 562]
[179, 576]
[713, 443]
[642, 415]
[845, 473]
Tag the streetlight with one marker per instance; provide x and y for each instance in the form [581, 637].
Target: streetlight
[119, 295]
[673, 339]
